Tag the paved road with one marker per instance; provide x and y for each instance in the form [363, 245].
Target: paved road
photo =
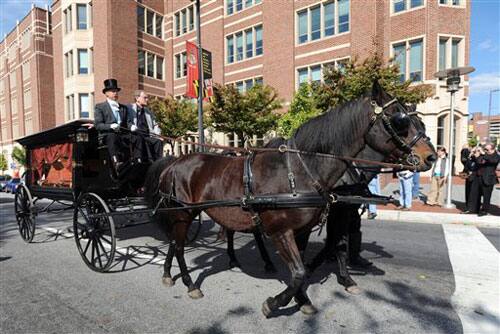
[45, 286]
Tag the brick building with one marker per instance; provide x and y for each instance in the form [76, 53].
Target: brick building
[278, 42]
[485, 128]
[26, 72]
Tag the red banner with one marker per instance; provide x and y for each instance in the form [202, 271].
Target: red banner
[192, 70]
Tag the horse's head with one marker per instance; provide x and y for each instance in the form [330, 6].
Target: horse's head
[398, 132]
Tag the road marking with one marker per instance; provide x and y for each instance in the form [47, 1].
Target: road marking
[475, 263]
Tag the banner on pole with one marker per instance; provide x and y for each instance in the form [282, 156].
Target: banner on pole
[192, 85]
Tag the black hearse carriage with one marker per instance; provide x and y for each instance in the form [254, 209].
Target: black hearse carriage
[70, 166]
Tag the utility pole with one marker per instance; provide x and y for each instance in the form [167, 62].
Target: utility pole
[201, 134]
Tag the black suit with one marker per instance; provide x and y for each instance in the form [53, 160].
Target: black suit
[118, 143]
[486, 176]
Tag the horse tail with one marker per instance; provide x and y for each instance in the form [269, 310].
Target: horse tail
[152, 181]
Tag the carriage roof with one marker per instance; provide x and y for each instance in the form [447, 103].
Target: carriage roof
[58, 134]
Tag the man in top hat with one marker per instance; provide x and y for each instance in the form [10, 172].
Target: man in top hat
[111, 118]
[147, 127]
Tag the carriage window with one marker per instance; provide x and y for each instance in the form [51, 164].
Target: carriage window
[324, 20]
[84, 105]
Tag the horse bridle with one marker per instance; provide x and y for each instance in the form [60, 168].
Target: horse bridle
[407, 148]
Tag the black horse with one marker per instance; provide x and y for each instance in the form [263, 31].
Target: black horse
[375, 119]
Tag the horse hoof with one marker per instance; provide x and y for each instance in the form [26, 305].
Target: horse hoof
[195, 294]
[269, 268]
[354, 290]
[168, 281]
[308, 309]
[266, 309]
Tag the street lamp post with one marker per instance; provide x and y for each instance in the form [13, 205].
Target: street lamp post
[452, 77]
[201, 134]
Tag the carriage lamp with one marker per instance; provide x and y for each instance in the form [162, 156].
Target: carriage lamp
[82, 135]
[452, 76]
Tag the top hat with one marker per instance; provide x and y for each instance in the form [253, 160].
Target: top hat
[110, 84]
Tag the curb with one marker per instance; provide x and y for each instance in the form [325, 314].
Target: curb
[438, 218]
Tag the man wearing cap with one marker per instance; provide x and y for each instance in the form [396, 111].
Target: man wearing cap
[110, 119]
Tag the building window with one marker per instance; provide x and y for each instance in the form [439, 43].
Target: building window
[26, 40]
[70, 106]
[150, 65]
[323, 20]
[159, 26]
[244, 44]
[27, 98]
[403, 5]
[150, 16]
[68, 19]
[84, 106]
[440, 131]
[142, 62]
[140, 18]
[83, 61]
[28, 126]
[13, 106]
[234, 141]
[315, 73]
[185, 20]
[81, 16]
[68, 63]
[180, 65]
[26, 70]
[409, 57]
[451, 2]
[450, 52]
[159, 67]
[245, 85]
[234, 6]
[12, 80]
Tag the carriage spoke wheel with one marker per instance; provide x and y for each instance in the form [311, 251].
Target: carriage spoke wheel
[94, 232]
[25, 213]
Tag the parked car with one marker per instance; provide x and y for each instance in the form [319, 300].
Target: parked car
[11, 186]
[3, 181]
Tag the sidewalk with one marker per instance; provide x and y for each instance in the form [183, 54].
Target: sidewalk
[421, 213]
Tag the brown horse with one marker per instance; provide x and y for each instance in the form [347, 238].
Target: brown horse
[374, 119]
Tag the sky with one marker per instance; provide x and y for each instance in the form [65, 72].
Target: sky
[484, 46]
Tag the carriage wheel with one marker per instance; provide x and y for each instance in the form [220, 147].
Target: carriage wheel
[194, 229]
[25, 213]
[94, 232]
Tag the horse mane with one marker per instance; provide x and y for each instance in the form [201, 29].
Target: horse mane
[318, 134]
[152, 180]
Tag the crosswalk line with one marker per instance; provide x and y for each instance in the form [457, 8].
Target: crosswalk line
[476, 263]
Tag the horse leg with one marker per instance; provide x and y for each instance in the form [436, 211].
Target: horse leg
[344, 278]
[180, 233]
[167, 266]
[233, 261]
[287, 248]
[269, 266]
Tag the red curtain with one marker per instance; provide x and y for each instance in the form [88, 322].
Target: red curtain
[59, 158]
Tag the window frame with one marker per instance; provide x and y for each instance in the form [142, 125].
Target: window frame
[85, 11]
[244, 6]
[407, 55]
[448, 58]
[181, 59]
[78, 51]
[408, 7]
[155, 72]
[256, 52]
[187, 13]
[336, 22]
[449, 3]
[322, 64]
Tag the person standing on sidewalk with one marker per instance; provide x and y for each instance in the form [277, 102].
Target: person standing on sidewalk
[473, 179]
[465, 155]
[374, 187]
[415, 190]
[438, 179]
[405, 189]
[487, 163]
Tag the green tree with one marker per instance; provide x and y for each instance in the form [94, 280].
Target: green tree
[246, 114]
[3, 163]
[345, 83]
[175, 117]
[19, 155]
[303, 107]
